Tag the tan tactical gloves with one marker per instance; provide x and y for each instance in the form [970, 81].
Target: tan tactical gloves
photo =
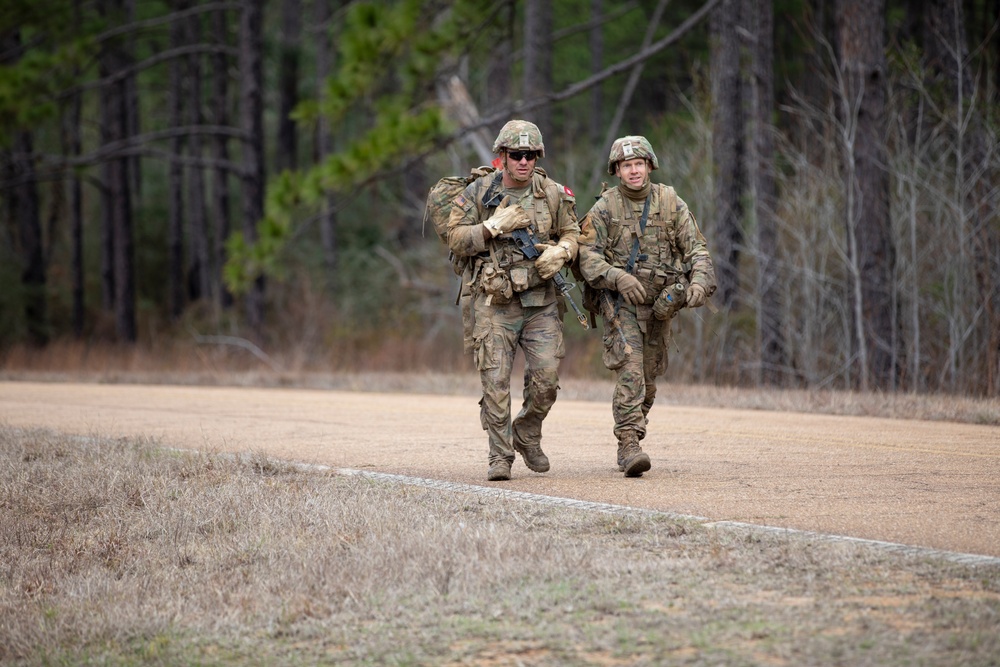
[627, 285]
[507, 220]
[696, 296]
[552, 259]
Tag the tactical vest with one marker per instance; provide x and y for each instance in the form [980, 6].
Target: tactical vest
[659, 262]
[504, 263]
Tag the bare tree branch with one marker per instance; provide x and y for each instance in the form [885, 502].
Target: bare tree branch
[405, 281]
[237, 342]
[505, 113]
[594, 23]
[626, 98]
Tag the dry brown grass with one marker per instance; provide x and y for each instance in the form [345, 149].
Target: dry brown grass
[121, 553]
[411, 366]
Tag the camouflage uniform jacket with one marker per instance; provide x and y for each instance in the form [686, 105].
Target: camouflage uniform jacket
[671, 250]
[552, 209]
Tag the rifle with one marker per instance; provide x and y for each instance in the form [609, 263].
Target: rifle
[609, 311]
[525, 241]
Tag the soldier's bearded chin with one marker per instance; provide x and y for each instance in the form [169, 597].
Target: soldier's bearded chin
[514, 175]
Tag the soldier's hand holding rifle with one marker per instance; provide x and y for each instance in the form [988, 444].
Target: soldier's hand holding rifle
[552, 259]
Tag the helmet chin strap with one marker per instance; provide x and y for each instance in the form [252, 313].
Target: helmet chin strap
[509, 175]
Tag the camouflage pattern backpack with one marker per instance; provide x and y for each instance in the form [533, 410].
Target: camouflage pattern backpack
[437, 210]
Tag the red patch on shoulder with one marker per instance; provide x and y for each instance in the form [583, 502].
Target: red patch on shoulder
[568, 191]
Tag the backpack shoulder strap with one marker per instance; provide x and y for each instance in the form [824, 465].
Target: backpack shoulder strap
[489, 188]
[554, 192]
[616, 207]
[670, 197]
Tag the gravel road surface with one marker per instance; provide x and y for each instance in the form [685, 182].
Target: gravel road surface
[919, 483]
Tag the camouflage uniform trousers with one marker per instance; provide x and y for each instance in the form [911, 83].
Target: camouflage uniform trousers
[635, 382]
[499, 330]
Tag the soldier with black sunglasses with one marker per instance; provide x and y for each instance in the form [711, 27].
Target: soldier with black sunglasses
[515, 301]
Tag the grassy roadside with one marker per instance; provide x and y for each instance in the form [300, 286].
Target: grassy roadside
[123, 553]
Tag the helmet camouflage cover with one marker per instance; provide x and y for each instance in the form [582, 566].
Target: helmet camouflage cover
[630, 148]
[520, 135]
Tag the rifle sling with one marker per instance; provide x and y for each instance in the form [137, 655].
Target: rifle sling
[635, 248]
[642, 230]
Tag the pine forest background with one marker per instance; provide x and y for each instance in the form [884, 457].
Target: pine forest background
[190, 172]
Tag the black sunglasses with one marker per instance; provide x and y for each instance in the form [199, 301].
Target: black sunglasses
[517, 156]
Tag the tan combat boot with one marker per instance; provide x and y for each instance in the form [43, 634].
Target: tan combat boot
[533, 456]
[631, 459]
[499, 471]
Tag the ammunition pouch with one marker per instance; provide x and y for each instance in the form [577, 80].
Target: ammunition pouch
[643, 314]
[524, 275]
[495, 283]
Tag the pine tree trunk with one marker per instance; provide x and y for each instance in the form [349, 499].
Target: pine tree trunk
[288, 83]
[252, 121]
[728, 147]
[25, 210]
[538, 59]
[198, 277]
[769, 276]
[73, 149]
[117, 185]
[107, 204]
[596, 42]
[947, 59]
[133, 110]
[324, 66]
[498, 82]
[175, 176]
[860, 28]
[125, 291]
[625, 102]
[18, 173]
[220, 146]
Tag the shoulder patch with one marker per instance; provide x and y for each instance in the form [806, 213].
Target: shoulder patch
[460, 200]
[568, 191]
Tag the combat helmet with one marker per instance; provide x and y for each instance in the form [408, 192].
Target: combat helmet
[520, 135]
[630, 148]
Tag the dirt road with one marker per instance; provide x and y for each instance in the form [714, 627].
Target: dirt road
[927, 484]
